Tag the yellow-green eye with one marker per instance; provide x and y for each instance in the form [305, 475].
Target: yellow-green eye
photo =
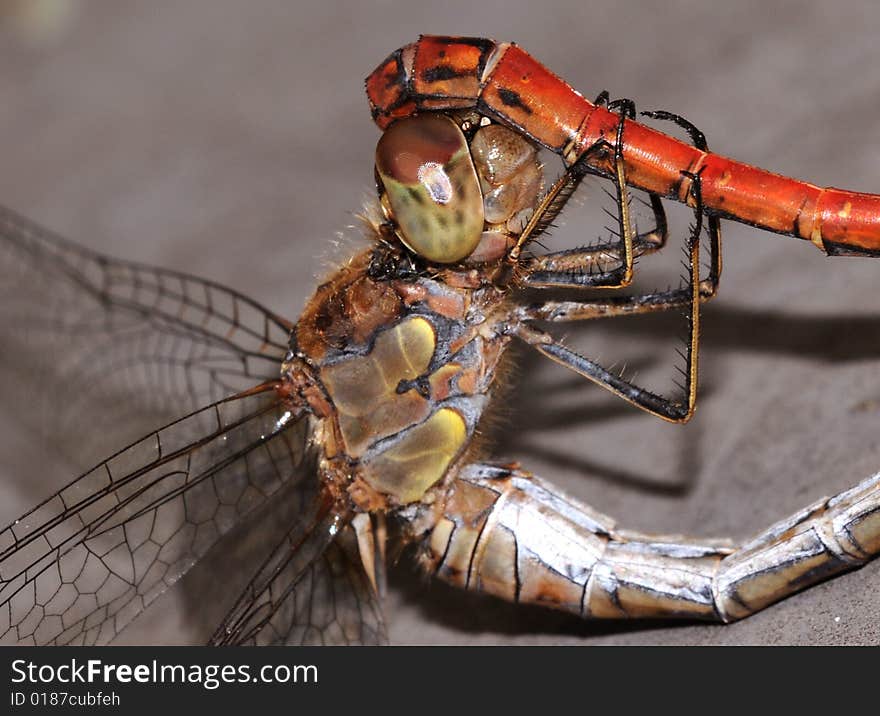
[432, 187]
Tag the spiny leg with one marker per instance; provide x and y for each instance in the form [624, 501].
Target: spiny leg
[713, 222]
[557, 311]
[627, 106]
[623, 249]
[615, 306]
[603, 99]
[690, 296]
[562, 269]
[589, 267]
[567, 262]
[508, 533]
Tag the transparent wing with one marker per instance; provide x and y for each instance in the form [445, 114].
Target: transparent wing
[310, 590]
[96, 352]
[117, 345]
[80, 566]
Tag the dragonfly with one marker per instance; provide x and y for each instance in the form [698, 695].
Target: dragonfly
[321, 448]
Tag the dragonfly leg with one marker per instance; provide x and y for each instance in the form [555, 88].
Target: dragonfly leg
[690, 295]
[698, 139]
[510, 534]
[613, 306]
[621, 252]
[713, 223]
[602, 98]
[697, 291]
[586, 267]
[626, 107]
[567, 262]
[589, 267]
[575, 310]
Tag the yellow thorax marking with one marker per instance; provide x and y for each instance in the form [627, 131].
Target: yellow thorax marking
[421, 458]
[364, 388]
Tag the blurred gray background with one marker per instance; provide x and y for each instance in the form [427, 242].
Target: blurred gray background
[233, 140]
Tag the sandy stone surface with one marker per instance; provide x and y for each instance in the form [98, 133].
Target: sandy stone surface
[233, 140]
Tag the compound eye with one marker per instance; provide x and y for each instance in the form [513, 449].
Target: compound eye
[432, 187]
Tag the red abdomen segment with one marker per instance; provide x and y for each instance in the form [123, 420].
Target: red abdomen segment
[503, 81]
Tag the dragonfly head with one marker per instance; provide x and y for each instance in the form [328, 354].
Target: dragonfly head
[451, 199]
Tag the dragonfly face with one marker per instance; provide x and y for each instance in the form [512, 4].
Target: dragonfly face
[431, 187]
[450, 200]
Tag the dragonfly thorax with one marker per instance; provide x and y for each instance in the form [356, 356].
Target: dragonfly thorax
[404, 369]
